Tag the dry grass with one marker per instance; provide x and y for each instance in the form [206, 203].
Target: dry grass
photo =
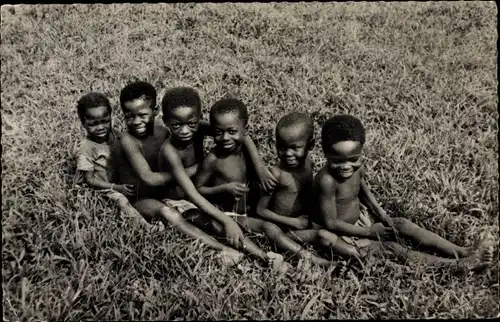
[421, 76]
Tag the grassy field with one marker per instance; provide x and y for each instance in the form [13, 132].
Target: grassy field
[421, 77]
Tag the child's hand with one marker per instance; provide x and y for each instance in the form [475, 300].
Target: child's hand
[127, 189]
[267, 180]
[388, 220]
[234, 234]
[191, 171]
[237, 189]
[301, 222]
[378, 230]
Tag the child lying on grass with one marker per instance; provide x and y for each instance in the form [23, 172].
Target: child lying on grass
[94, 153]
[340, 187]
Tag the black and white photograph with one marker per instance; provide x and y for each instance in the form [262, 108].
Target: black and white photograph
[250, 161]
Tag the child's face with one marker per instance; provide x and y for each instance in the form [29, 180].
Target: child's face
[97, 123]
[183, 123]
[139, 117]
[344, 158]
[229, 131]
[293, 145]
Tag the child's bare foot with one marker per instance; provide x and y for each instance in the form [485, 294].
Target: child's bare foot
[230, 257]
[277, 263]
[341, 268]
[483, 257]
[130, 213]
[156, 227]
[486, 239]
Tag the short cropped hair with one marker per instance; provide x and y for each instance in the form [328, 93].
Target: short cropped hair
[229, 105]
[180, 96]
[341, 128]
[297, 119]
[90, 100]
[137, 90]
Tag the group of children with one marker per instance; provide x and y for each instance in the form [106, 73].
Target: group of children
[157, 170]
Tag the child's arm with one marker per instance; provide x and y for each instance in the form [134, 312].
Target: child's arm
[91, 179]
[85, 167]
[328, 213]
[368, 199]
[237, 189]
[233, 231]
[265, 213]
[266, 178]
[140, 166]
[206, 172]
[262, 210]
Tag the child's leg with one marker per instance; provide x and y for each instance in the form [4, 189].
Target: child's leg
[151, 208]
[126, 208]
[429, 239]
[281, 239]
[275, 260]
[325, 238]
[478, 260]
[249, 245]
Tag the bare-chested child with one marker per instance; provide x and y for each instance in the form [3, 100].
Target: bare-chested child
[345, 206]
[94, 157]
[287, 206]
[226, 176]
[140, 147]
[180, 156]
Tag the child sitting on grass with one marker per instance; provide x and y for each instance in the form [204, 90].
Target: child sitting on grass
[181, 155]
[340, 187]
[285, 208]
[141, 147]
[226, 175]
[93, 154]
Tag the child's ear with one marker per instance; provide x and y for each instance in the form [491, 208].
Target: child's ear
[156, 110]
[245, 129]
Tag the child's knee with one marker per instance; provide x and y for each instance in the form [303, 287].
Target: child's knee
[401, 223]
[327, 238]
[171, 215]
[271, 230]
[122, 201]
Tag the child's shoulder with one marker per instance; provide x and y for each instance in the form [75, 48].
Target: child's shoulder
[167, 146]
[126, 139]
[82, 147]
[324, 180]
[168, 149]
[211, 157]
